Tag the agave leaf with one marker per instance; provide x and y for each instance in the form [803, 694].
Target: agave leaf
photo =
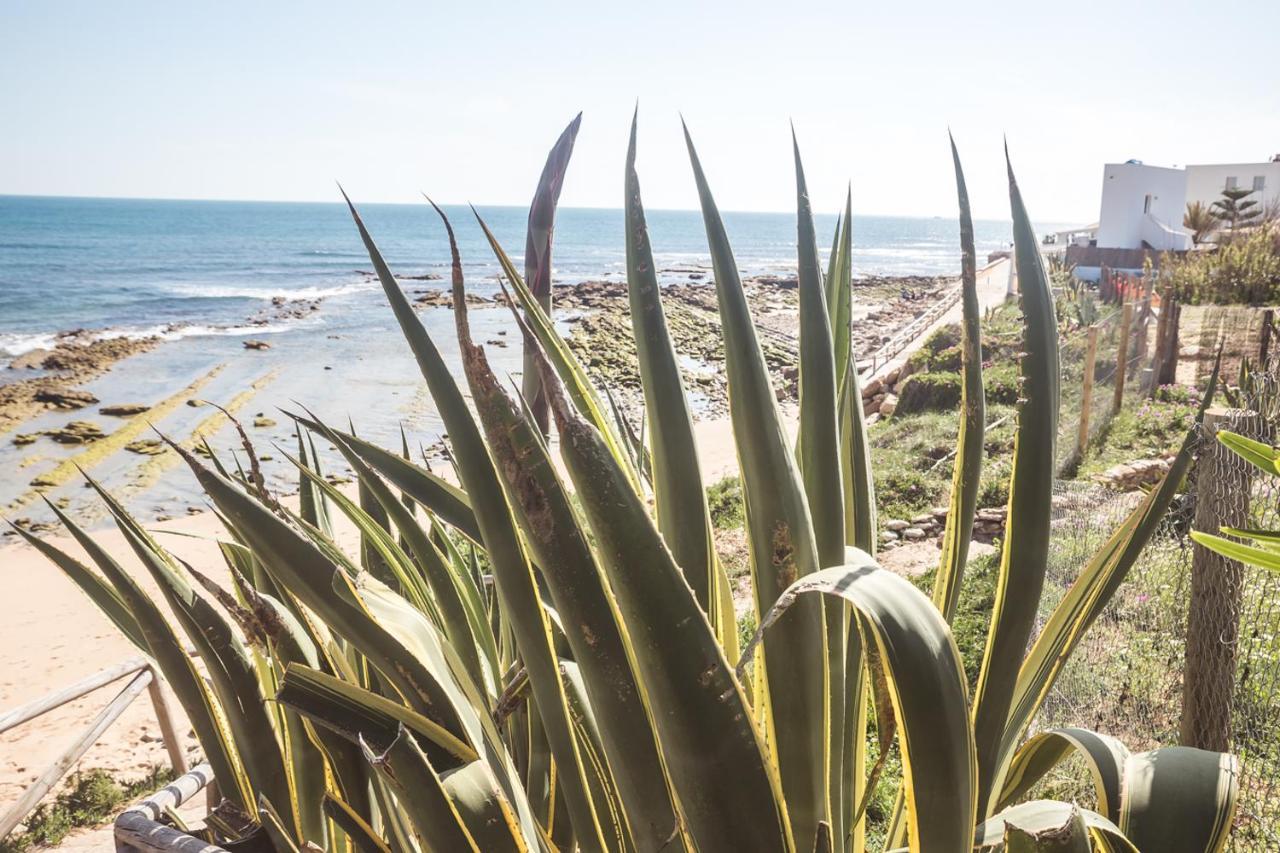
[449, 590]
[1104, 755]
[781, 540]
[1179, 799]
[819, 440]
[968, 465]
[592, 626]
[925, 680]
[537, 251]
[419, 791]
[311, 575]
[99, 591]
[231, 672]
[439, 496]
[1263, 558]
[839, 289]
[725, 786]
[484, 810]
[566, 363]
[521, 601]
[1070, 837]
[1048, 816]
[1024, 557]
[358, 831]
[171, 656]
[818, 446]
[679, 497]
[1093, 590]
[860, 527]
[350, 710]
[1260, 455]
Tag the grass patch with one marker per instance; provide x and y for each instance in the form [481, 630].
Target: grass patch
[724, 501]
[92, 798]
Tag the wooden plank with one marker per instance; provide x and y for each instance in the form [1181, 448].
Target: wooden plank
[168, 726]
[58, 698]
[54, 772]
[1086, 395]
[137, 830]
[1122, 355]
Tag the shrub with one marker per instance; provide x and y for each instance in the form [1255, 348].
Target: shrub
[1244, 270]
[929, 392]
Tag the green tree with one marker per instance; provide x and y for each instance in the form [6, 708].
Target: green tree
[1236, 209]
[1200, 220]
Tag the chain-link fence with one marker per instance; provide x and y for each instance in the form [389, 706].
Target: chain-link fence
[1182, 625]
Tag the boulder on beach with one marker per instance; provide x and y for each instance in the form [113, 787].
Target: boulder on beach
[76, 432]
[123, 410]
[146, 446]
[65, 398]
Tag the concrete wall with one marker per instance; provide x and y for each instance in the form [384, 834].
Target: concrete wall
[1205, 183]
[1125, 189]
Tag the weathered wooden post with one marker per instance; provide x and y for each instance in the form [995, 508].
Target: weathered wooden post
[168, 729]
[1264, 344]
[1086, 395]
[1213, 614]
[1122, 355]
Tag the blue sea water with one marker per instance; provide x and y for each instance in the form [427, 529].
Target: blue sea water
[199, 273]
[204, 267]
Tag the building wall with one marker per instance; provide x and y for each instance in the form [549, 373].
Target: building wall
[1205, 183]
[1125, 188]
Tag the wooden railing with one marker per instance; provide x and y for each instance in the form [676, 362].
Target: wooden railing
[142, 676]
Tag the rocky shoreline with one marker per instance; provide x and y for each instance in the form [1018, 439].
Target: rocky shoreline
[75, 358]
[595, 317]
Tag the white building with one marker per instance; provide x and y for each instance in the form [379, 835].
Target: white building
[1142, 206]
[1206, 183]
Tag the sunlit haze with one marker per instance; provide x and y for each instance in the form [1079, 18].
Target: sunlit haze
[462, 100]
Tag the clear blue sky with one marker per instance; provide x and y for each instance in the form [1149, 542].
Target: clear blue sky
[275, 100]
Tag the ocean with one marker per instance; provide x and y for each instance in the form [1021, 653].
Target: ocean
[198, 272]
[202, 268]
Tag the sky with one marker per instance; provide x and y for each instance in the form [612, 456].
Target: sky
[461, 100]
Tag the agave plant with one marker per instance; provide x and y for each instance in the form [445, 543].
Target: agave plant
[1264, 552]
[544, 656]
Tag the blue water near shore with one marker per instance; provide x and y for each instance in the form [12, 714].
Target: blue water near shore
[208, 276]
[192, 268]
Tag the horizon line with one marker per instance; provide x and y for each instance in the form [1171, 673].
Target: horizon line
[481, 204]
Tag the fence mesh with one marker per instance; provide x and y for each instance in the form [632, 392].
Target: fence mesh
[1128, 676]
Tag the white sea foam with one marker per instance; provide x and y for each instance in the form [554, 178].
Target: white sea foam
[291, 294]
[174, 332]
[16, 344]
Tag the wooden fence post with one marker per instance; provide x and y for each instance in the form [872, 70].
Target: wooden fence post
[1122, 355]
[168, 729]
[1086, 395]
[1264, 344]
[1213, 613]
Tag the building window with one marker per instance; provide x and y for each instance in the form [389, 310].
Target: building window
[1146, 204]
[1259, 181]
[1231, 183]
